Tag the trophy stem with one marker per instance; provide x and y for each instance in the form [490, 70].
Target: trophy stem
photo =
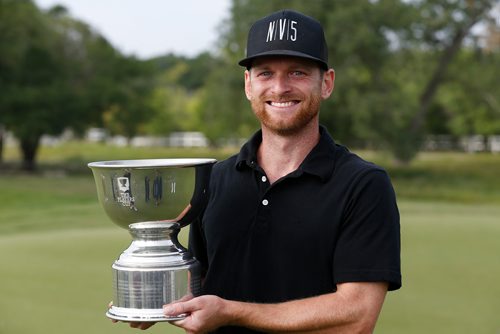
[153, 271]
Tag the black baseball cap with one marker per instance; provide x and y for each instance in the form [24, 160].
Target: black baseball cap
[286, 33]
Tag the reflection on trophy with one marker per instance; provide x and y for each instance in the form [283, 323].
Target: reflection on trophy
[153, 199]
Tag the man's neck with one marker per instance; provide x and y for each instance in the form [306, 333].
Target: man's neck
[280, 155]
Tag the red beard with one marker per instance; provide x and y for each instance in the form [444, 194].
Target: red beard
[308, 110]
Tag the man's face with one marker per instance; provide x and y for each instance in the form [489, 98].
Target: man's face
[286, 92]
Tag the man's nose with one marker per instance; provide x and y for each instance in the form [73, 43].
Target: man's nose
[281, 84]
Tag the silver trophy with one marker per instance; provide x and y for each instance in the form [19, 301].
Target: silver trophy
[153, 199]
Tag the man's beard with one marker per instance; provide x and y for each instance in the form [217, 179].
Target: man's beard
[309, 109]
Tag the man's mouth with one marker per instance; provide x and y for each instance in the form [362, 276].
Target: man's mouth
[282, 104]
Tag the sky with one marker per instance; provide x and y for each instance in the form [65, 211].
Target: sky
[150, 28]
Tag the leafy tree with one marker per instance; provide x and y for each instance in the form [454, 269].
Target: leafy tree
[470, 100]
[29, 67]
[58, 73]
[169, 100]
[194, 70]
[443, 28]
[129, 108]
[175, 101]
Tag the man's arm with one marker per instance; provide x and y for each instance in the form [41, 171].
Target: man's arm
[354, 308]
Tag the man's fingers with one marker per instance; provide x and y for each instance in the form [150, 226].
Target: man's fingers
[141, 325]
[173, 309]
[178, 308]
[177, 323]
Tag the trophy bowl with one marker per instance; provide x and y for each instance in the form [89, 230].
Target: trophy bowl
[153, 199]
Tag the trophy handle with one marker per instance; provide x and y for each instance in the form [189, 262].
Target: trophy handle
[200, 195]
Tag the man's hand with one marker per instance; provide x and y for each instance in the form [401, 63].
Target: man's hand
[203, 314]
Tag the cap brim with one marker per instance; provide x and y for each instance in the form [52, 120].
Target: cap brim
[247, 62]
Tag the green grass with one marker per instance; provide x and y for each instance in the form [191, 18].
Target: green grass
[30, 202]
[456, 177]
[57, 245]
[451, 266]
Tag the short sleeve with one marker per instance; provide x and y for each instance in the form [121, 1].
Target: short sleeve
[368, 247]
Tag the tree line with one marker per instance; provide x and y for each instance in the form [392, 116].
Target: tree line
[404, 69]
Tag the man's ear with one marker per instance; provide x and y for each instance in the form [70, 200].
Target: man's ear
[248, 85]
[328, 84]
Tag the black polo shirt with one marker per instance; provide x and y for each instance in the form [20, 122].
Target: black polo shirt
[333, 220]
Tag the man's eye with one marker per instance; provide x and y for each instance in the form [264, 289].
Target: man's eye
[264, 74]
[297, 73]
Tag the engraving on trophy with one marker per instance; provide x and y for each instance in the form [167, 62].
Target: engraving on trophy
[146, 188]
[103, 187]
[172, 186]
[157, 189]
[125, 197]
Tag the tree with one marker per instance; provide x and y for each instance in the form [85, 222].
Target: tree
[28, 66]
[129, 107]
[470, 100]
[58, 73]
[176, 100]
[451, 23]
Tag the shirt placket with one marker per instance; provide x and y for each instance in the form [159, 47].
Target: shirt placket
[263, 214]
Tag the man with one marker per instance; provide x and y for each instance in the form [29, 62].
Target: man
[299, 234]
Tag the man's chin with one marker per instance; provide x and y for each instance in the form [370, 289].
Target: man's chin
[284, 130]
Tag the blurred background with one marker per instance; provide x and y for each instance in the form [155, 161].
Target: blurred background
[417, 91]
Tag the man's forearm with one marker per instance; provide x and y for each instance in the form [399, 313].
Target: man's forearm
[354, 308]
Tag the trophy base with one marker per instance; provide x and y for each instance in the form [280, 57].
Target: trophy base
[140, 315]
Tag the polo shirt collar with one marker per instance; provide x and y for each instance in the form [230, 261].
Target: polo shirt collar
[320, 161]
[248, 153]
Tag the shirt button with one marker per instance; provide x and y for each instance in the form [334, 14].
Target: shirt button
[265, 202]
[264, 179]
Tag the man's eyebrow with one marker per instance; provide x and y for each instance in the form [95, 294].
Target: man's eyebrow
[263, 66]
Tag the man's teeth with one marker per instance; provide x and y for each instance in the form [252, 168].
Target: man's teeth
[282, 104]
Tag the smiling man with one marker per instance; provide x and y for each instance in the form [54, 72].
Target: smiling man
[299, 234]
[285, 94]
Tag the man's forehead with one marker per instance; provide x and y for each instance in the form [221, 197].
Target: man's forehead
[289, 61]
